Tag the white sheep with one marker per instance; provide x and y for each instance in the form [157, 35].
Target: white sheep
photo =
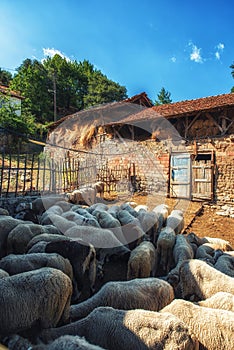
[220, 300]
[61, 223]
[99, 187]
[162, 212]
[85, 195]
[41, 296]
[140, 293]
[3, 273]
[213, 328]
[113, 210]
[132, 330]
[176, 221]
[141, 207]
[200, 280]
[142, 261]
[149, 223]
[165, 244]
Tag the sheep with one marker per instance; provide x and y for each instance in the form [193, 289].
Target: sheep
[20, 236]
[97, 206]
[162, 214]
[91, 220]
[82, 257]
[61, 223]
[85, 195]
[7, 223]
[46, 237]
[103, 240]
[4, 212]
[45, 217]
[27, 215]
[213, 328]
[176, 221]
[220, 300]
[3, 273]
[99, 187]
[113, 210]
[141, 207]
[223, 244]
[128, 329]
[106, 220]
[142, 260]
[200, 280]
[15, 264]
[182, 251]
[225, 264]
[39, 205]
[39, 297]
[129, 208]
[80, 219]
[66, 342]
[149, 223]
[165, 245]
[143, 293]
[207, 252]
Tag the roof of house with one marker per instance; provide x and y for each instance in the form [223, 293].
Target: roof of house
[6, 91]
[139, 99]
[183, 108]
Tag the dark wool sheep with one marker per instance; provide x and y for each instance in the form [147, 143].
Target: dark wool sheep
[15, 264]
[41, 297]
[82, 257]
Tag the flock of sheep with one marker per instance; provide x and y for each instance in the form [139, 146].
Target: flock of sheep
[177, 292]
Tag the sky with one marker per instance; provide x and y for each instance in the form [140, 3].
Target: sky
[186, 47]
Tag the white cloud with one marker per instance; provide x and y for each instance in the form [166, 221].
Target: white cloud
[217, 55]
[51, 52]
[173, 59]
[195, 55]
[219, 50]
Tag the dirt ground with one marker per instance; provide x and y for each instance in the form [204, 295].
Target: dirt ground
[200, 218]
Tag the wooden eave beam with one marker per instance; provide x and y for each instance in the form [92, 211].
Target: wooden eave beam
[209, 116]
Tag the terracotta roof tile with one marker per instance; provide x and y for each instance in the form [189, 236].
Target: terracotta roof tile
[187, 107]
[6, 91]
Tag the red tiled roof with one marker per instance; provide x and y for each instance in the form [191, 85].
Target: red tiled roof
[180, 109]
[6, 91]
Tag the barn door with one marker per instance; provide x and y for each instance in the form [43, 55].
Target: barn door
[203, 175]
[180, 175]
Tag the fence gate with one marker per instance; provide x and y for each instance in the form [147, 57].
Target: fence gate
[180, 175]
[203, 176]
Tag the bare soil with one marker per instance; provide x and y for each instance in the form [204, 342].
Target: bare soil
[200, 217]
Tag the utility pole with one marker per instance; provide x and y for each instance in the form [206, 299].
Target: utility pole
[55, 97]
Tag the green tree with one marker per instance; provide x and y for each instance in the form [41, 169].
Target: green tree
[5, 77]
[164, 97]
[12, 120]
[57, 86]
[232, 72]
[33, 83]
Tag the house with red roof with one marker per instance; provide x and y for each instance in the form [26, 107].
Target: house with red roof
[14, 97]
[183, 149]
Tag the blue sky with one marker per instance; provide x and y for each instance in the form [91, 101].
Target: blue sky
[186, 47]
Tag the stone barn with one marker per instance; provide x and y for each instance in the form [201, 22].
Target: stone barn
[183, 149]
